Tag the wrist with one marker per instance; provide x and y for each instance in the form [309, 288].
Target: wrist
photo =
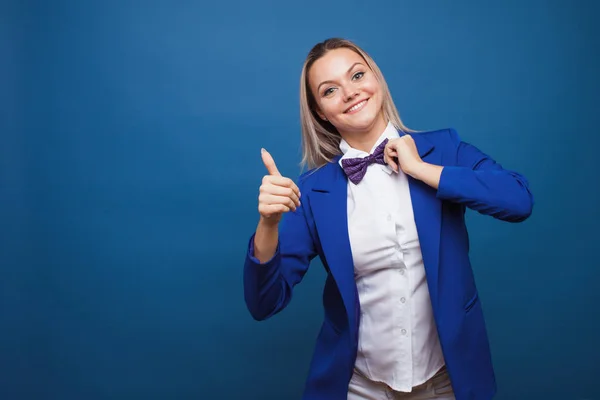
[430, 174]
[417, 169]
[266, 240]
[268, 224]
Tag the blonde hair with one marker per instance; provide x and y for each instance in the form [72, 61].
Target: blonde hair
[320, 139]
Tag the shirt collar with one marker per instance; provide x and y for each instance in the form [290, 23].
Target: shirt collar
[390, 132]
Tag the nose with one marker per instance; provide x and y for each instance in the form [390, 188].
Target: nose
[350, 92]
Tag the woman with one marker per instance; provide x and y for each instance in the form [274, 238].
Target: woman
[383, 208]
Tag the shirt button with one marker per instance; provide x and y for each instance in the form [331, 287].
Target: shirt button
[389, 217]
[401, 271]
[403, 331]
[403, 300]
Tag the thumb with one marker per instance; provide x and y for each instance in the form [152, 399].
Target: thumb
[269, 163]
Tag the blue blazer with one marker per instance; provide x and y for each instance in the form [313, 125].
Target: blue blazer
[319, 227]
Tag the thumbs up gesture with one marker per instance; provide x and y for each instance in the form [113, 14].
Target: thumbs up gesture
[277, 194]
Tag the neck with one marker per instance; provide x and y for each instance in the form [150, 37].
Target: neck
[364, 140]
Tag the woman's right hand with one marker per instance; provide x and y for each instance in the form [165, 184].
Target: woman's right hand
[277, 194]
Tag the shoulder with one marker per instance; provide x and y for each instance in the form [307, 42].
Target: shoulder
[312, 177]
[438, 135]
[446, 138]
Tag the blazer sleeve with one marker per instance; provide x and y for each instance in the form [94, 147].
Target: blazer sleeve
[268, 287]
[480, 183]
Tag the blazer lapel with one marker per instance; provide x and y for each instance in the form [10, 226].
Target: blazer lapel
[427, 210]
[329, 206]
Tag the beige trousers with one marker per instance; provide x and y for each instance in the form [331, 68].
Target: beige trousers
[438, 388]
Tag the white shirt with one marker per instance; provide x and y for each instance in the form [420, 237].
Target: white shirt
[398, 341]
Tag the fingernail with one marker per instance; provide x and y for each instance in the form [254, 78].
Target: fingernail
[262, 150]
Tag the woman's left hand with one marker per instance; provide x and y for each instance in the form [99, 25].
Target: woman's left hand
[402, 153]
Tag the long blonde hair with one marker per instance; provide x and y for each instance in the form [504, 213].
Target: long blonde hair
[320, 139]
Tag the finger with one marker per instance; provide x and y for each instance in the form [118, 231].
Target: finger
[268, 210]
[281, 191]
[392, 163]
[271, 199]
[284, 191]
[391, 155]
[284, 182]
[269, 163]
[391, 147]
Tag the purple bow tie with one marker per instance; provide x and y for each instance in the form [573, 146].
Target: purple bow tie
[356, 168]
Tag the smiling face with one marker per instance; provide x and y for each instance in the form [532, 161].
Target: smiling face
[348, 95]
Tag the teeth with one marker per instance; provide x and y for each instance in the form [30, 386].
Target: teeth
[358, 106]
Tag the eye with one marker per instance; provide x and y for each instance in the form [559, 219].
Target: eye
[328, 91]
[358, 75]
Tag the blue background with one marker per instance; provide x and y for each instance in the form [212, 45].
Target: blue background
[130, 165]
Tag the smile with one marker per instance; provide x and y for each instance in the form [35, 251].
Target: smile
[357, 107]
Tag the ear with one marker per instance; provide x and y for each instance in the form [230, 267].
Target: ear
[320, 114]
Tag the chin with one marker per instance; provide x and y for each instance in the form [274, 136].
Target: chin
[361, 122]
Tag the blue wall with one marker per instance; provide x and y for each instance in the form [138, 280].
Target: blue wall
[130, 163]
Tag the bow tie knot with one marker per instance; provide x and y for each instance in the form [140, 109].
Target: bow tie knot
[356, 168]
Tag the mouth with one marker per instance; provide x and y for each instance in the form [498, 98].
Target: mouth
[356, 107]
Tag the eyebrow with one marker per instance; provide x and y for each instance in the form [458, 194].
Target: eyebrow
[349, 69]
